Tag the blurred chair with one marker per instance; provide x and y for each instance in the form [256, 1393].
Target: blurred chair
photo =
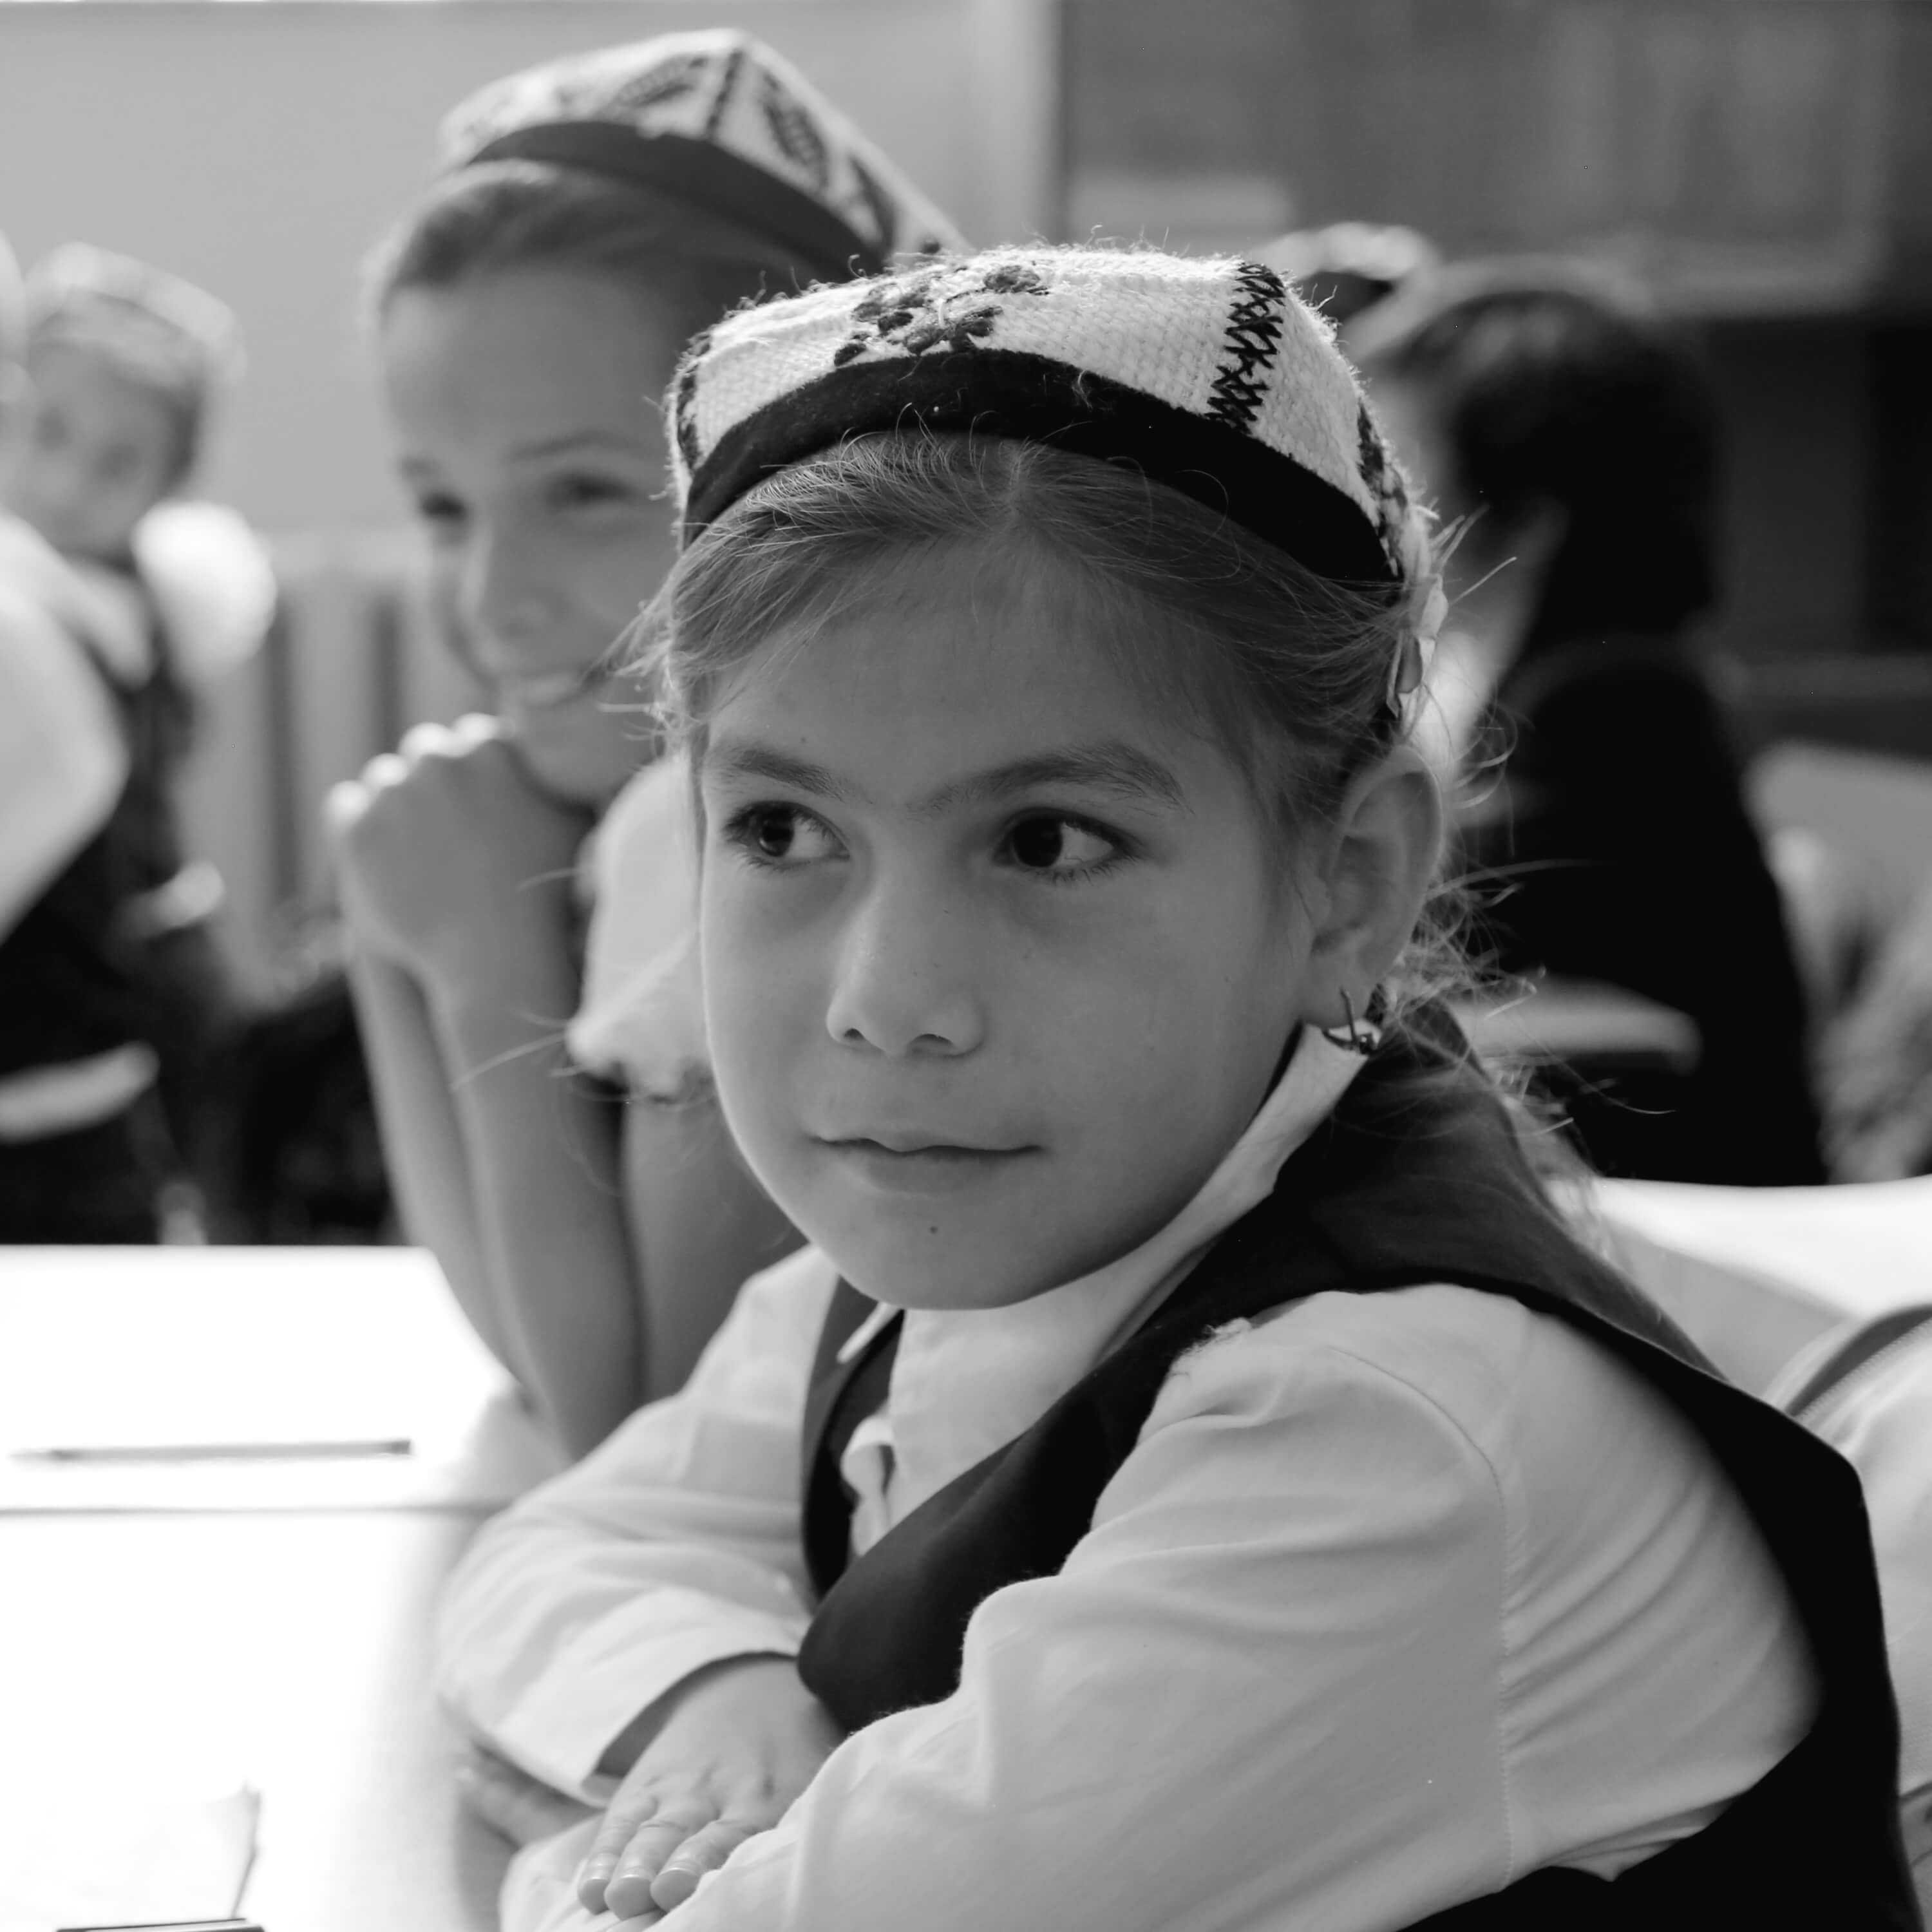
[1849, 835]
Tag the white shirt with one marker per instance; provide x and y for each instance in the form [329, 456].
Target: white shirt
[1398, 1597]
[63, 756]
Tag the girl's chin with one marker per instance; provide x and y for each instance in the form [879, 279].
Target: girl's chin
[587, 760]
[896, 1262]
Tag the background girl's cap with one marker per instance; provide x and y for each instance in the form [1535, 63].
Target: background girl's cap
[718, 123]
[1209, 376]
[162, 329]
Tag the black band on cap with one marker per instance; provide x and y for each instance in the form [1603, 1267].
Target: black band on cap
[1035, 399]
[706, 175]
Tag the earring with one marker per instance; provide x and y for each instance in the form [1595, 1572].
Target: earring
[1354, 1035]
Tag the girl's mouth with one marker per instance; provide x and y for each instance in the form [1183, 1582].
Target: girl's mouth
[545, 690]
[918, 1167]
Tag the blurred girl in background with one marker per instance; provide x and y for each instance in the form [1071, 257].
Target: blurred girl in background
[591, 216]
[1571, 433]
[110, 964]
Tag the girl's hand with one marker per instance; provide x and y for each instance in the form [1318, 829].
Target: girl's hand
[743, 1740]
[450, 858]
[513, 1803]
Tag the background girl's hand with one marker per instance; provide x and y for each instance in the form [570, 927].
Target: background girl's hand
[742, 1741]
[447, 853]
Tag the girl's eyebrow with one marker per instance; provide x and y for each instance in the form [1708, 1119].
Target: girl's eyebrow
[578, 442]
[1108, 765]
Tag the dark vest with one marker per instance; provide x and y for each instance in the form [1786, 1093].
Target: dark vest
[1414, 1180]
[72, 977]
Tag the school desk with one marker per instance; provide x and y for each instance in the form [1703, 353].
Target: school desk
[175, 1623]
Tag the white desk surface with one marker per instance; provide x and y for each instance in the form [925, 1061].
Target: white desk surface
[125, 1347]
[269, 1621]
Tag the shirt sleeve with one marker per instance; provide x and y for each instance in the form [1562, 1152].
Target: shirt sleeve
[62, 759]
[1316, 1664]
[674, 1545]
[212, 582]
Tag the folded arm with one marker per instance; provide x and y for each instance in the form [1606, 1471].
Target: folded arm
[673, 1547]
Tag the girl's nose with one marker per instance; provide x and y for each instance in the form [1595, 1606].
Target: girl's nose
[904, 983]
[508, 608]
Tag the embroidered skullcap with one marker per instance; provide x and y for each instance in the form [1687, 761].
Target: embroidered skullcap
[1208, 376]
[715, 122]
[161, 330]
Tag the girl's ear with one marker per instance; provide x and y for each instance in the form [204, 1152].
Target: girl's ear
[1378, 861]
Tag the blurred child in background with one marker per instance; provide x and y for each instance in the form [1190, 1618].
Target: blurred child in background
[111, 962]
[591, 216]
[1570, 432]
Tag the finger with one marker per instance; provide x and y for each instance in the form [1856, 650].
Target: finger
[703, 1852]
[627, 1813]
[384, 770]
[629, 1889]
[429, 741]
[343, 804]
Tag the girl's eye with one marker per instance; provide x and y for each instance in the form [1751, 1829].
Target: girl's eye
[1059, 847]
[443, 516]
[780, 834]
[587, 492]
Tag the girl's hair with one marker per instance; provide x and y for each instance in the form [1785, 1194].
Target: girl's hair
[1288, 670]
[497, 216]
[1554, 386]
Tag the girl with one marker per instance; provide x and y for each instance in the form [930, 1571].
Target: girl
[1191, 1479]
[1576, 431]
[591, 216]
[107, 957]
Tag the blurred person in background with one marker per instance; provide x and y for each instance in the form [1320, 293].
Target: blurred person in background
[124, 600]
[1568, 435]
[1349, 266]
[591, 216]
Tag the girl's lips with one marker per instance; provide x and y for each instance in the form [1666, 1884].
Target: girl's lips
[548, 689]
[937, 1167]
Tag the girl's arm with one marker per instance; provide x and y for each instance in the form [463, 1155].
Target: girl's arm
[456, 874]
[697, 1218]
[540, 1145]
[422, 1142]
[673, 1547]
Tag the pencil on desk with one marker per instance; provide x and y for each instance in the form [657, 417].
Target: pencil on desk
[218, 1452]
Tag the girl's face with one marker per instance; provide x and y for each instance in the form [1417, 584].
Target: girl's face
[100, 451]
[1000, 955]
[524, 407]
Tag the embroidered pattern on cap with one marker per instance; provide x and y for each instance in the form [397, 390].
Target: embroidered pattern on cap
[720, 89]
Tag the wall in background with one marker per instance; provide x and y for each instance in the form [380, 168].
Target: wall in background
[1767, 166]
[261, 150]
